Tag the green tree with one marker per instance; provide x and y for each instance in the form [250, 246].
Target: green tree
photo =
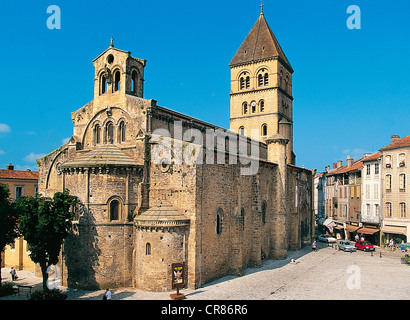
[8, 220]
[44, 224]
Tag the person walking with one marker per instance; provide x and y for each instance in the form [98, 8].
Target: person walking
[107, 294]
[314, 245]
[13, 273]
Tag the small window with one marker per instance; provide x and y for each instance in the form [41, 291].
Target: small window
[245, 108]
[402, 182]
[110, 132]
[388, 209]
[260, 80]
[97, 134]
[117, 80]
[248, 82]
[262, 106]
[121, 132]
[242, 130]
[253, 104]
[219, 218]
[388, 161]
[134, 82]
[242, 217]
[148, 249]
[402, 160]
[242, 83]
[266, 79]
[264, 130]
[114, 210]
[388, 182]
[103, 85]
[18, 192]
[402, 210]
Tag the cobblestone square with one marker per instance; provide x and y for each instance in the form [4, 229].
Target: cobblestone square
[303, 275]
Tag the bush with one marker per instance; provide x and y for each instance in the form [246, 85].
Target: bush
[6, 289]
[54, 294]
[405, 259]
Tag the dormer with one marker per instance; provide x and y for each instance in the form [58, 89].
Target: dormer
[118, 73]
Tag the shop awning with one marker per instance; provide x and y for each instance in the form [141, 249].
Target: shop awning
[368, 230]
[395, 230]
[351, 228]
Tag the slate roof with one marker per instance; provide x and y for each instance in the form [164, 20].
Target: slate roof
[105, 156]
[260, 44]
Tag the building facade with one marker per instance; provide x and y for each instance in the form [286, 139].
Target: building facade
[395, 186]
[145, 209]
[19, 183]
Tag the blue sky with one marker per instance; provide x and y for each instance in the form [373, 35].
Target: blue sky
[351, 87]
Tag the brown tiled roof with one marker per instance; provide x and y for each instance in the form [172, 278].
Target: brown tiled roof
[373, 157]
[404, 142]
[17, 174]
[260, 44]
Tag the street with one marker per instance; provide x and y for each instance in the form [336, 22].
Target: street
[303, 275]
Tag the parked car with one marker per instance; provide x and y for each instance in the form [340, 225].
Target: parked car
[364, 245]
[347, 246]
[326, 238]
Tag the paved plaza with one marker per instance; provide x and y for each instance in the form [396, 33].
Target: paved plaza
[303, 275]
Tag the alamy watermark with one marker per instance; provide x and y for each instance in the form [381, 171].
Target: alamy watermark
[355, 278]
[354, 21]
[209, 146]
[54, 20]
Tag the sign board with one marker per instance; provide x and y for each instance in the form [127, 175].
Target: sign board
[178, 275]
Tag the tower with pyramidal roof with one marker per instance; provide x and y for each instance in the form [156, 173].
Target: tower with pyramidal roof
[261, 88]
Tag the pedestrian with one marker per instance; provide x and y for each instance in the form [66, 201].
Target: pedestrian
[391, 245]
[356, 237]
[13, 274]
[314, 245]
[107, 295]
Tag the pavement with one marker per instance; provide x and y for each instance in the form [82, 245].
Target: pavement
[303, 275]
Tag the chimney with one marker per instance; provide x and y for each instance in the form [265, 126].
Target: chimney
[394, 138]
[9, 167]
[339, 164]
[349, 161]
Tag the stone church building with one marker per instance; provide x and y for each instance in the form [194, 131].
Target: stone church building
[140, 215]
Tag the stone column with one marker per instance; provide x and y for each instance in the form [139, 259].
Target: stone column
[277, 154]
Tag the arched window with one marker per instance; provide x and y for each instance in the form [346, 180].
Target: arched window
[103, 85]
[242, 83]
[388, 182]
[121, 132]
[97, 134]
[253, 106]
[148, 249]
[110, 132]
[117, 80]
[260, 80]
[266, 79]
[134, 82]
[245, 108]
[248, 82]
[242, 130]
[264, 206]
[219, 218]
[264, 130]
[242, 217]
[388, 209]
[402, 182]
[114, 210]
[262, 106]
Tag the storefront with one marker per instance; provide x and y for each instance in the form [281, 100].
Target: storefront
[397, 233]
[370, 234]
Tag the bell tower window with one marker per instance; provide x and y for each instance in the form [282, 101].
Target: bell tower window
[121, 132]
[117, 80]
[97, 132]
[110, 132]
[103, 85]
[134, 82]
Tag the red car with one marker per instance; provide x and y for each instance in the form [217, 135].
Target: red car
[364, 245]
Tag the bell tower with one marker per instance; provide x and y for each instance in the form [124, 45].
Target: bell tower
[261, 88]
[118, 73]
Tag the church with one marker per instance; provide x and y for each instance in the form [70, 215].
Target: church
[160, 187]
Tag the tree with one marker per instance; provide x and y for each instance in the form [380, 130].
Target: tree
[44, 224]
[8, 220]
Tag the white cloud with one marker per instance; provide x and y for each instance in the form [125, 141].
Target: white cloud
[2, 152]
[65, 140]
[32, 157]
[4, 127]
